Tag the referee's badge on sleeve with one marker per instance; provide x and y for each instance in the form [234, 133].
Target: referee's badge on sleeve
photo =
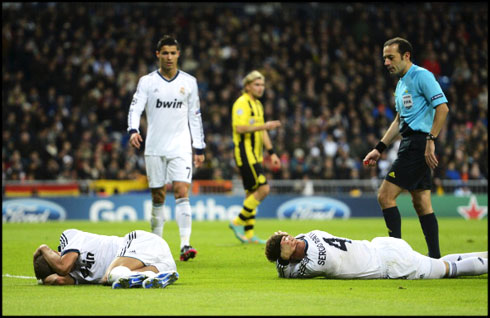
[407, 101]
[239, 112]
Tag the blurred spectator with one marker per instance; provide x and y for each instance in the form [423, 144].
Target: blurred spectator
[69, 72]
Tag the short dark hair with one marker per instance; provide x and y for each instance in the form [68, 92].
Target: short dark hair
[42, 268]
[403, 45]
[167, 40]
[273, 247]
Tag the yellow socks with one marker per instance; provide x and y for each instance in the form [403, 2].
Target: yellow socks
[247, 215]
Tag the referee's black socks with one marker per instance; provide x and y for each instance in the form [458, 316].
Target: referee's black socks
[431, 233]
[393, 221]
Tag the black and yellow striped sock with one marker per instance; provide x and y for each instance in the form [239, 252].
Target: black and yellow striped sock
[249, 225]
[248, 211]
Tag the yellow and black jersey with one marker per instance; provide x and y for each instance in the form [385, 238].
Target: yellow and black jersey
[249, 146]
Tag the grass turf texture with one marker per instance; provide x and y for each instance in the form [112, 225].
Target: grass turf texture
[231, 278]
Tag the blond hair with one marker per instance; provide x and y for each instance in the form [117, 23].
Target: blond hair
[252, 76]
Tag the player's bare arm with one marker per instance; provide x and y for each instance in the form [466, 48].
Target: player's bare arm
[439, 118]
[268, 125]
[55, 279]
[60, 264]
[373, 156]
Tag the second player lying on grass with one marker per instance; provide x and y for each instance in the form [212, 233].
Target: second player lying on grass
[319, 253]
[139, 259]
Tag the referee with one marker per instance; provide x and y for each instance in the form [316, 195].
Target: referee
[421, 112]
[249, 137]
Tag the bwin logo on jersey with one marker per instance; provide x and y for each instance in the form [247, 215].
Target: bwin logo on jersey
[167, 104]
[318, 208]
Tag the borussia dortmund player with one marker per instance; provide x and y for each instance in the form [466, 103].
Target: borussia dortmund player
[250, 137]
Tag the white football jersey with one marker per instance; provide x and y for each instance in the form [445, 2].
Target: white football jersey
[334, 257]
[172, 111]
[95, 253]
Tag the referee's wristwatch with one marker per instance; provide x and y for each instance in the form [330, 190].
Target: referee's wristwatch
[430, 137]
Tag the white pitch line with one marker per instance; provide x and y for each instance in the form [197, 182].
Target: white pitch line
[16, 276]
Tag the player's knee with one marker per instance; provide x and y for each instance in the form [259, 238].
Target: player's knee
[117, 272]
[420, 208]
[181, 192]
[264, 191]
[158, 196]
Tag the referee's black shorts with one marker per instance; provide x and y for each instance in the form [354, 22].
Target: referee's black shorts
[410, 170]
[252, 176]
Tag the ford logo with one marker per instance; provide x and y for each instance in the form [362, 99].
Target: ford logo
[31, 210]
[318, 208]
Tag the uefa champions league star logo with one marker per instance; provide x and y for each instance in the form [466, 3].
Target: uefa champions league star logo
[473, 210]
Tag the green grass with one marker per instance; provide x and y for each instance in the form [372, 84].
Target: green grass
[230, 278]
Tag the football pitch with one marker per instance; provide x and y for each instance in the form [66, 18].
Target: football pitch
[231, 278]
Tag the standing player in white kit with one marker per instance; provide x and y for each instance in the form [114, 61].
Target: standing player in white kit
[318, 253]
[170, 99]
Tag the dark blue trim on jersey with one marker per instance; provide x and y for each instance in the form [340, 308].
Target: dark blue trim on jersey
[306, 244]
[199, 151]
[68, 251]
[166, 80]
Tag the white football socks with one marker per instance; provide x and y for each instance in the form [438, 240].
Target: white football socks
[118, 272]
[157, 219]
[470, 266]
[183, 215]
[458, 257]
[149, 274]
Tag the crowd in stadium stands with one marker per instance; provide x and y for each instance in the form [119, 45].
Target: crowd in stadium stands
[70, 70]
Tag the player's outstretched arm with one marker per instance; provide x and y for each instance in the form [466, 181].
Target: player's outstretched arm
[55, 279]
[268, 125]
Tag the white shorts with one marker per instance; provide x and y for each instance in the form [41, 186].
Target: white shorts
[162, 170]
[401, 261]
[149, 248]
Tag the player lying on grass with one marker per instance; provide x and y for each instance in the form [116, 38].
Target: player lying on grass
[139, 259]
[319, 253]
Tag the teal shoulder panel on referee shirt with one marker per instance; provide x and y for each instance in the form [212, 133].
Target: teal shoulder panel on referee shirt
[417, 95]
